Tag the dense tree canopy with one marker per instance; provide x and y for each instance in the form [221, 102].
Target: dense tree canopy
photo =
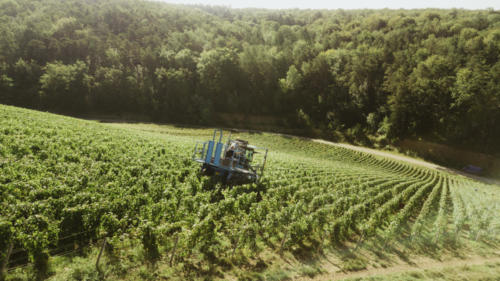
[395, 73]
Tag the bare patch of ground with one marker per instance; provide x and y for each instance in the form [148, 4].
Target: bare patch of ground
[418, 264]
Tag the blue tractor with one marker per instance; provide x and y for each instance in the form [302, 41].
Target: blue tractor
[235, 162]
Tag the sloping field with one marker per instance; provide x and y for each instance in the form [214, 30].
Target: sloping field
[65, 184]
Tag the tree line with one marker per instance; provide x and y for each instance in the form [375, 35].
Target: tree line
[382, 73]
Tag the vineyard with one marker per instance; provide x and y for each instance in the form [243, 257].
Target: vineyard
[67, 184]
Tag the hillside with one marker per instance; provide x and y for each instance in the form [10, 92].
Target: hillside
[67, 184]
[363, 75]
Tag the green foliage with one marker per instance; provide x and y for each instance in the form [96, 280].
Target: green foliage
[37, 233]
[277, 275]
[65, 180]
[424, 72]
[292, 81]
[6, 239]
[310, 271]
[66, 85]
[353, 264]
[110, 225]
[82, 269]
[149, 243]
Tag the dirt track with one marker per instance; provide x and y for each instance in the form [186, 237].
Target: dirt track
[409, 160]
[420, 264]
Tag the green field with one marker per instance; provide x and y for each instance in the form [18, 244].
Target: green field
[65, 184]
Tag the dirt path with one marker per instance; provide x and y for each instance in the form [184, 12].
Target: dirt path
[420, 264]
[409, 160]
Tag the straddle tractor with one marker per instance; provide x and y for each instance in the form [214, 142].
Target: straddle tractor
[235, 162]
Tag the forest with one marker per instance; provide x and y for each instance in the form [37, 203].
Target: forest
[389, 74]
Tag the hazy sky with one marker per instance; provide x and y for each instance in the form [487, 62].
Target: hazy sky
[347, 4]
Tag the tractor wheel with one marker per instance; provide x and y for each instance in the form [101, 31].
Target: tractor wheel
[206, 170]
